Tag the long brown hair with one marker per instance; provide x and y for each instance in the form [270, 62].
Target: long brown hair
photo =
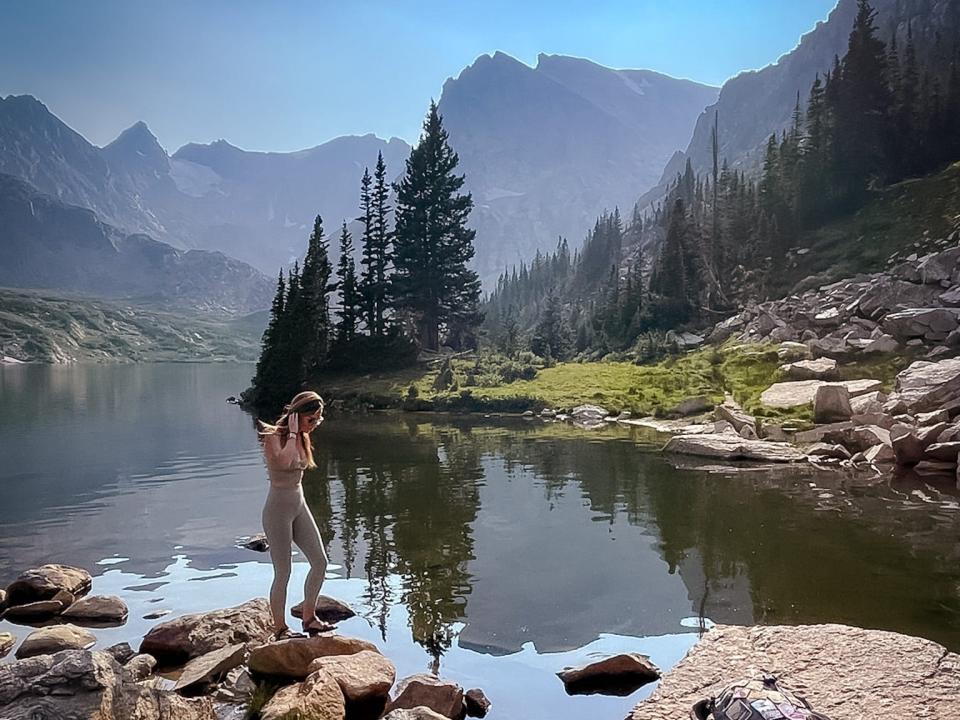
[282, 426]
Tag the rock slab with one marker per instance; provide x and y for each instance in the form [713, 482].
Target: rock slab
[802, 392]
[844, 672]
[208, 668]
[733, 447]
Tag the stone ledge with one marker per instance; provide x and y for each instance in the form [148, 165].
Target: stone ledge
[847, 673]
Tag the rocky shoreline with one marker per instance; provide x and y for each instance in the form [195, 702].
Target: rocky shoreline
[225, 665]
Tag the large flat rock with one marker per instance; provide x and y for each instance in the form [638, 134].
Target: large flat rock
[733, 447]
[844, 672]
[802, 392]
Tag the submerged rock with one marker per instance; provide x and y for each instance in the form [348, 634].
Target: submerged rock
[845, 673]
[618, 675]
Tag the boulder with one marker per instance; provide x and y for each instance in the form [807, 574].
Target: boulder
[802, 392]
[476, 703]
[950, 298]
[828, 451]
[736, 416]
[845, 673]
[53, 639]
[441, 696]
[209, 668]
[98, 608]
[791, 351]
[418, 713]
[926, 386]
[943, 452]
[39, 610]
[691, 406]
[871, 402]
[328, 610]
[587, 413]
[817, 434]
[71, 684]
[929, 323]
[938, 268]
[831, 403]
[318, 697]
[44, 582]
[732, 447]
[882, 344]
[121, 652]
[236, 687]
[139, 668]
[176, 641]
[748, 433]
[819, 369]
[886, 295]
[722, 426]
[362, 676]
[257, 543]
[617, 675]
[878, 418]
[906, 445]
[7, 641]
[859, 438]
[291, 658]
[881, 454]
[140, 702]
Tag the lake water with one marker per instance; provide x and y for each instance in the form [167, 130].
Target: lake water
[496, 551]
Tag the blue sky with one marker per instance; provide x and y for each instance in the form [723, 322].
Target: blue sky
[285, 75]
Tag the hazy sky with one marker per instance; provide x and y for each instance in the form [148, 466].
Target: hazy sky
[285, 75]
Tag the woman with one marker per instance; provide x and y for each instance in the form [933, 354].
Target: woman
[286, 518]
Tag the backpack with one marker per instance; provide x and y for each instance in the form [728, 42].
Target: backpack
[761, 699]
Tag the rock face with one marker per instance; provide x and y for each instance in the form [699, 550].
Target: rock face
[328, 609]
[53, 639]
[362, 676]
[44, 582]
[318, 697]
[733, 447]
[292, 658]
[618, 675]
[441, 696]
[845, 673]
[181, 639]
[82, 685]
[98, 608]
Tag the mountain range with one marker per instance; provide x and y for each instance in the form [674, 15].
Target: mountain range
[544, 149]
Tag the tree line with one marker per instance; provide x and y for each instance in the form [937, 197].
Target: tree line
[880, 115]
[413, 289]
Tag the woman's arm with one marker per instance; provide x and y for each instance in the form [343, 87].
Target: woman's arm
[284, 457]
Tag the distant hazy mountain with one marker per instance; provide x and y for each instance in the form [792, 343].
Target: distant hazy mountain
[257, 207]
[46, 243]
[547, 149]
[756, 103]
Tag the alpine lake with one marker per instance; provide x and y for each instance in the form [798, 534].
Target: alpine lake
[494, 551]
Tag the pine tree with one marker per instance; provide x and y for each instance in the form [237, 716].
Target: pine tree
[367, 253]
[432, 282]
[312, 307]
[349, 297]
[377, 251]
[551, 338]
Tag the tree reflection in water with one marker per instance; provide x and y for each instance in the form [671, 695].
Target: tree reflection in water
[403, 501]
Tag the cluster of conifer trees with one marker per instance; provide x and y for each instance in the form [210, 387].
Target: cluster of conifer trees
[879, 115]
[414, 288]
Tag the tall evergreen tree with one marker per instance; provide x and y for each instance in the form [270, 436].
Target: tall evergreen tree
[312, 307]
[367, 253]
[377, 249]
[349, 297]
[432, 282]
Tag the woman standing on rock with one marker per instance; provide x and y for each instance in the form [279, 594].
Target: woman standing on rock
[286, 518]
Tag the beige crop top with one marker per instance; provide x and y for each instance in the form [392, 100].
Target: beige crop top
[285, 465]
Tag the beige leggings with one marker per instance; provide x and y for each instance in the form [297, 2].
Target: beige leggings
[287, 519]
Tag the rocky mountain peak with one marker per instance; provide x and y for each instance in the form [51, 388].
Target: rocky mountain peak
[137, 147]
